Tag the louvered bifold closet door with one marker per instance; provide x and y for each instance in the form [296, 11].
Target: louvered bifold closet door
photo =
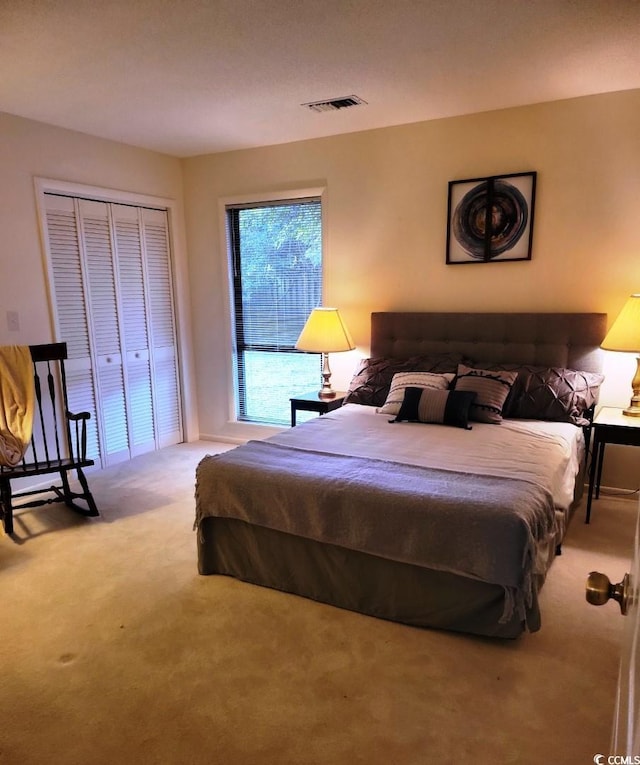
[164, 355]
[135, 320]
[113, 299]
[70, 298]
[104, 310]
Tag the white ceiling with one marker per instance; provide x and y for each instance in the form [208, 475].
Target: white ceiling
[188, 77]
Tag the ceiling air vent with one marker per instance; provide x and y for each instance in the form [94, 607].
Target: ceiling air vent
[333, 104]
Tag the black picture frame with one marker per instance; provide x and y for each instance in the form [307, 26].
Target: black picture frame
[490, 220]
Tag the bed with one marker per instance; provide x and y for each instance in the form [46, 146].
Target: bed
[382, 511]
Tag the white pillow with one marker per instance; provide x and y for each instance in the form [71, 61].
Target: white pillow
[402, 380]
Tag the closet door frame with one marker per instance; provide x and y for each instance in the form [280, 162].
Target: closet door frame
[179, 277]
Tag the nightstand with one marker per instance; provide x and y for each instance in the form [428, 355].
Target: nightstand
[610, 426]
[311, 402]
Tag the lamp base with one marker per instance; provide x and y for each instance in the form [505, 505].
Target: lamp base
[326, 391]
[633, 410]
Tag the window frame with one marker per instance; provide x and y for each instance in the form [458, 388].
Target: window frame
[247, 200]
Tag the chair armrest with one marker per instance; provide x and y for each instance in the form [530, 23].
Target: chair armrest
[79, 416]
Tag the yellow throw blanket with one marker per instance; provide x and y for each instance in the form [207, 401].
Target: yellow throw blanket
[16, 402]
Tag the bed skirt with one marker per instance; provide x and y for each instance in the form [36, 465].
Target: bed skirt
[356, 581]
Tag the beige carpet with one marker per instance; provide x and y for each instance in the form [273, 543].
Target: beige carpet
[113, 650]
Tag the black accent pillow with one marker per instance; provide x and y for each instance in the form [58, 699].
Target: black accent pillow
[442, 407]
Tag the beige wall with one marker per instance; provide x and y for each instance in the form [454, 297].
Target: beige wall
[386, 194]
[386, 211]
[29, 150]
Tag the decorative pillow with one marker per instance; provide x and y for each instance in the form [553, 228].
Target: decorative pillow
[554, 393]
[492, 388]
[444, 407]
[402, 380]
[371, 382]
[557, 394]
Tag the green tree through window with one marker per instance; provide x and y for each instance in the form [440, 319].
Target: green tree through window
[276, 255]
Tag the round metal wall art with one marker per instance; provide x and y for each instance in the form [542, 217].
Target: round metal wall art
[508, 219]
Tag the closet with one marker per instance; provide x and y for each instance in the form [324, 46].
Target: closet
[112, 297]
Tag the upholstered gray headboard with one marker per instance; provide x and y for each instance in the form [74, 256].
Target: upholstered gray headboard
[570, 340]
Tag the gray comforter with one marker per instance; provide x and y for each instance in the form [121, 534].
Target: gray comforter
[483, 527]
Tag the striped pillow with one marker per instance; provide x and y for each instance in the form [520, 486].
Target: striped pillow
[401, 380]
[492, 388]
[443, 407]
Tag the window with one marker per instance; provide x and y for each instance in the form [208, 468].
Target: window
[276, 257]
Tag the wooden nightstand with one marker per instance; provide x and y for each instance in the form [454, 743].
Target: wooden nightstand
[610, 426]
[311, 402]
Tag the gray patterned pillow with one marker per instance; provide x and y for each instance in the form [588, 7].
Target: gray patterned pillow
[402, 380]
[492, 388]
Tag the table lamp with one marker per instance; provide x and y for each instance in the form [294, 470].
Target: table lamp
[325, 333]
[624, 336]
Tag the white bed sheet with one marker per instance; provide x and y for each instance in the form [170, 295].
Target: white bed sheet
[545, 453]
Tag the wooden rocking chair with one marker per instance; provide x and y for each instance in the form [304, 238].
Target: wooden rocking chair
[58, 444]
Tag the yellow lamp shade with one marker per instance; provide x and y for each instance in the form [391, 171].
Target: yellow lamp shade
[624, 334]
[325, 332]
